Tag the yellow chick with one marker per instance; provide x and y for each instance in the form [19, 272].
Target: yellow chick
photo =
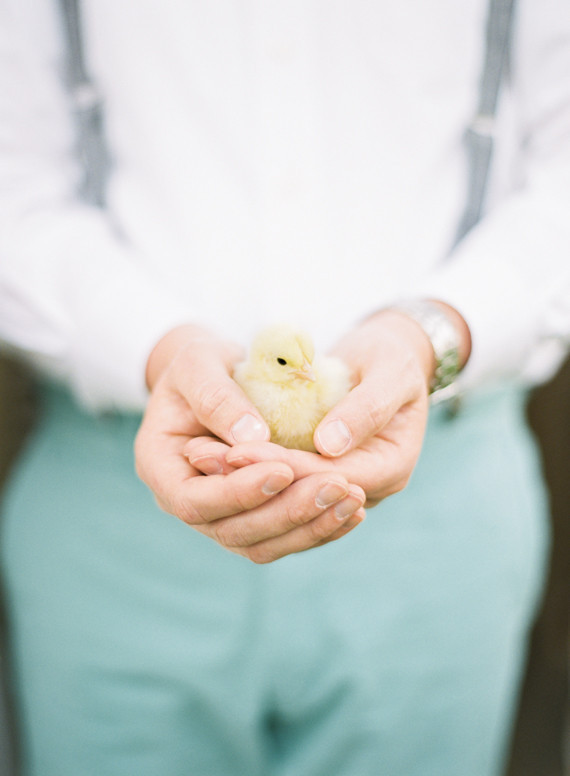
[291, 388]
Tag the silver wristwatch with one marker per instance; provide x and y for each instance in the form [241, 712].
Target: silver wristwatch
[442, 334]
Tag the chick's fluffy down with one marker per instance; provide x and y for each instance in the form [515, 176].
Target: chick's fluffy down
[292, 389]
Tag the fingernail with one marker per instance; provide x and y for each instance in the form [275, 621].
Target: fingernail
[329, 494]
[207, 464]
[358, 517]
[238, 460]
[275, 483]
[335, 437]
[249, 429]
[347, 507]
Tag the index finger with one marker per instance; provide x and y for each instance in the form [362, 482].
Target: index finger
[203, 499]
[302, 463]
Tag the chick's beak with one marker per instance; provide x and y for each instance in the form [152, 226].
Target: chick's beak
[306, 372]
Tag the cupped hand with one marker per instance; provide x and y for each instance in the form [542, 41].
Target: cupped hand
[381, 465]
[258, 511]
[374, 436]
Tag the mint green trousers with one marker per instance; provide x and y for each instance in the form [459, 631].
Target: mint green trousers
[141, 648]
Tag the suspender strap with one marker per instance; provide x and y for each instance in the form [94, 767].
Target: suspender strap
[479, 136]
[88, 108]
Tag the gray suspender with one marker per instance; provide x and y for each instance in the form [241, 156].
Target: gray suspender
[87, 107]
[479, 136]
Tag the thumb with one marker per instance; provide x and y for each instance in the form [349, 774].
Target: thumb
[222, 407]
[359, 416]
[193, 364]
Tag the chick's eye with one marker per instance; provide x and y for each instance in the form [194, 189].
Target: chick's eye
[281, 361]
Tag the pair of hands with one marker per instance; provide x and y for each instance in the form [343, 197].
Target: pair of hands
[203, 449]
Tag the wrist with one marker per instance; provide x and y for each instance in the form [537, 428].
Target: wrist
[460, 325]
[448, 334]
[413, 337]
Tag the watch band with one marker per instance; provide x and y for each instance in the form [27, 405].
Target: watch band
[442, 334]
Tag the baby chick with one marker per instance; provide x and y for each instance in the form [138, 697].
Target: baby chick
[292, 390]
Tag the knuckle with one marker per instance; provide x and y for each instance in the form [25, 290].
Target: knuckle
[210, 398]
[318, 530]
[188, 512]
[404, 472]
[294, 517]
[242, 500]
[219, 534]
[398, 485]
[229, 535]
[261, 555]
[376, 410]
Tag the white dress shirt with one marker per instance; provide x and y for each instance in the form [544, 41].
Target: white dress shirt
[293, 160]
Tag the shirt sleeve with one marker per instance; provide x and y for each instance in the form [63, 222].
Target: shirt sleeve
[74, 298]
[510, 276]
